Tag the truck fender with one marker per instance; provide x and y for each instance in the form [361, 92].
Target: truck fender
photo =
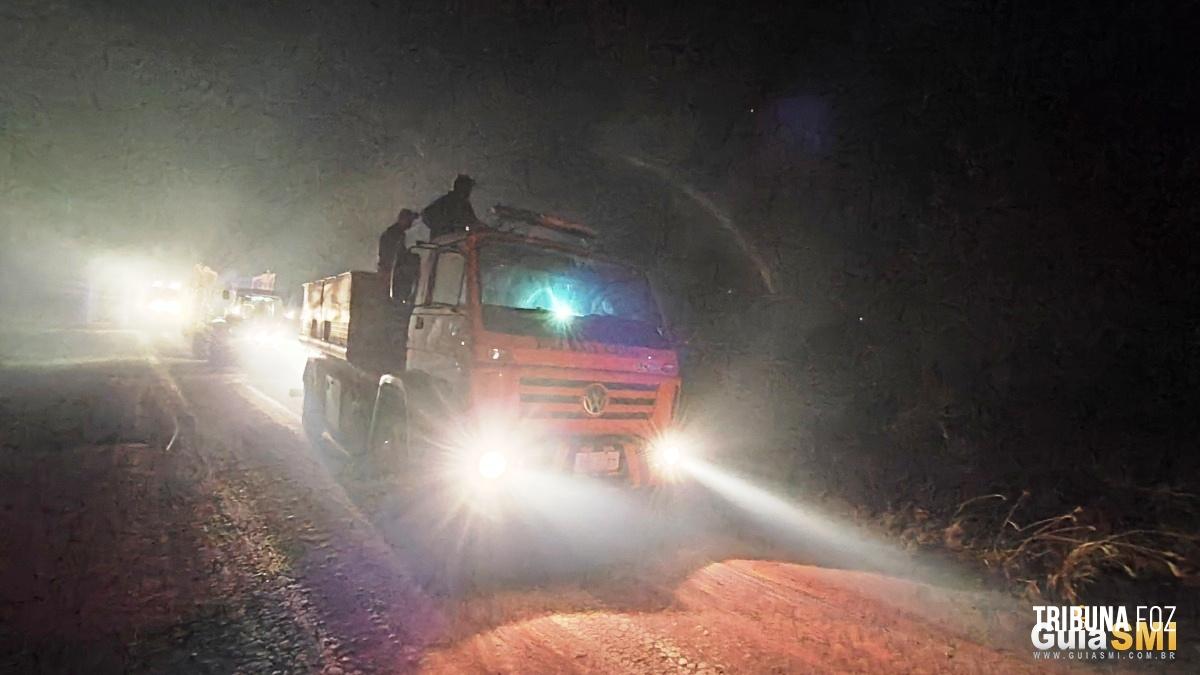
[310, 372]
[428, 399]
[426, 409]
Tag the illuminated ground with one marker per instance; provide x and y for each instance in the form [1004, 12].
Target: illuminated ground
[237, 550]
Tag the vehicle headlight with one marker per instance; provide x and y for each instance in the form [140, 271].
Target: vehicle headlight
[492, 464]
[668, 453]
[488, 450]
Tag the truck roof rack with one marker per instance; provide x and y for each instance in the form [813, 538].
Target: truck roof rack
[529, 223]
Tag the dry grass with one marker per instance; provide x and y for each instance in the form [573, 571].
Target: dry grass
[1062, 555]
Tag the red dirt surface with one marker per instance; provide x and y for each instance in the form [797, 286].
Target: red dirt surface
[240, 552]
[748, 616]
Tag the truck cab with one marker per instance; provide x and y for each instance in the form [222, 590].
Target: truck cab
[502, 350]
[249, 315]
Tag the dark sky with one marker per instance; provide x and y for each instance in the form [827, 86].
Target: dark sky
[248, 132]
[828, 138]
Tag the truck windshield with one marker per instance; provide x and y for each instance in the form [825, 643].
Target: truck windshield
[257, 306]
[533, 291]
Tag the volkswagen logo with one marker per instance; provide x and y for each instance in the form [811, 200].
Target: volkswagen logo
[594, 399]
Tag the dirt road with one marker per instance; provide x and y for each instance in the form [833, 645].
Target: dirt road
[240, 550]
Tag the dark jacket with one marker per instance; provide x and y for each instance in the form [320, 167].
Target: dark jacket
[391, 241]
[452, 211]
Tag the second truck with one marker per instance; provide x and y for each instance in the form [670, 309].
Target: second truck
[505, 348]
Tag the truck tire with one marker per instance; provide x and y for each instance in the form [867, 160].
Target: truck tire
[355, 426]
[312, 417]
[422, 415]
[389, 446]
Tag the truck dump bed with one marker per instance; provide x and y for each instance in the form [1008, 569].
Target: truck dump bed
[348, 316]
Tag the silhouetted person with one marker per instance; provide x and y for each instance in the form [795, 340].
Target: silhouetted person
[452, 211]
[391, 242]
[399, 269]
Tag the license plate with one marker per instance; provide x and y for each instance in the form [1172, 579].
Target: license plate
[606, 461]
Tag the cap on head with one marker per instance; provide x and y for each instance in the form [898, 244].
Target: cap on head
[463, 182]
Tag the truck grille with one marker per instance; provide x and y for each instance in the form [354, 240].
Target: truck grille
[552, 398]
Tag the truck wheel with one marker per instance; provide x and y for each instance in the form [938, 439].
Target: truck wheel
[389, 432]
[357, 420]
[391, 449]
[427, 412]
[312, 417]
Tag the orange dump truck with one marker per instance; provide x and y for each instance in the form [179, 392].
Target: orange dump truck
[502, 349]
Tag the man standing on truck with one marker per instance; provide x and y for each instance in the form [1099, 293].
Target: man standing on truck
[393, 240]
[452, 211]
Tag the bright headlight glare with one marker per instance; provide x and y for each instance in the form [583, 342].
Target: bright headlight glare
[165, 306]
[563, 313]
[276, 339]
[492, 464]
[668, 452]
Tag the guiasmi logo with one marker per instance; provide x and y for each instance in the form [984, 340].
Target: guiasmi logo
[1105, 632]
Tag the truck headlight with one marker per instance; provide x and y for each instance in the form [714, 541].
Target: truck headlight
[669, 455]
[668, 452]
[492, 464]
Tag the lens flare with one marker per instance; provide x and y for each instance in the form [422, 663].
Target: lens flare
[561, 309]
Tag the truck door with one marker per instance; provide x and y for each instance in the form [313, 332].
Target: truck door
[437, 332]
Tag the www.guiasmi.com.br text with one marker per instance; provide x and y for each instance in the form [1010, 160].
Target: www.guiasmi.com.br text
[1104, 656]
